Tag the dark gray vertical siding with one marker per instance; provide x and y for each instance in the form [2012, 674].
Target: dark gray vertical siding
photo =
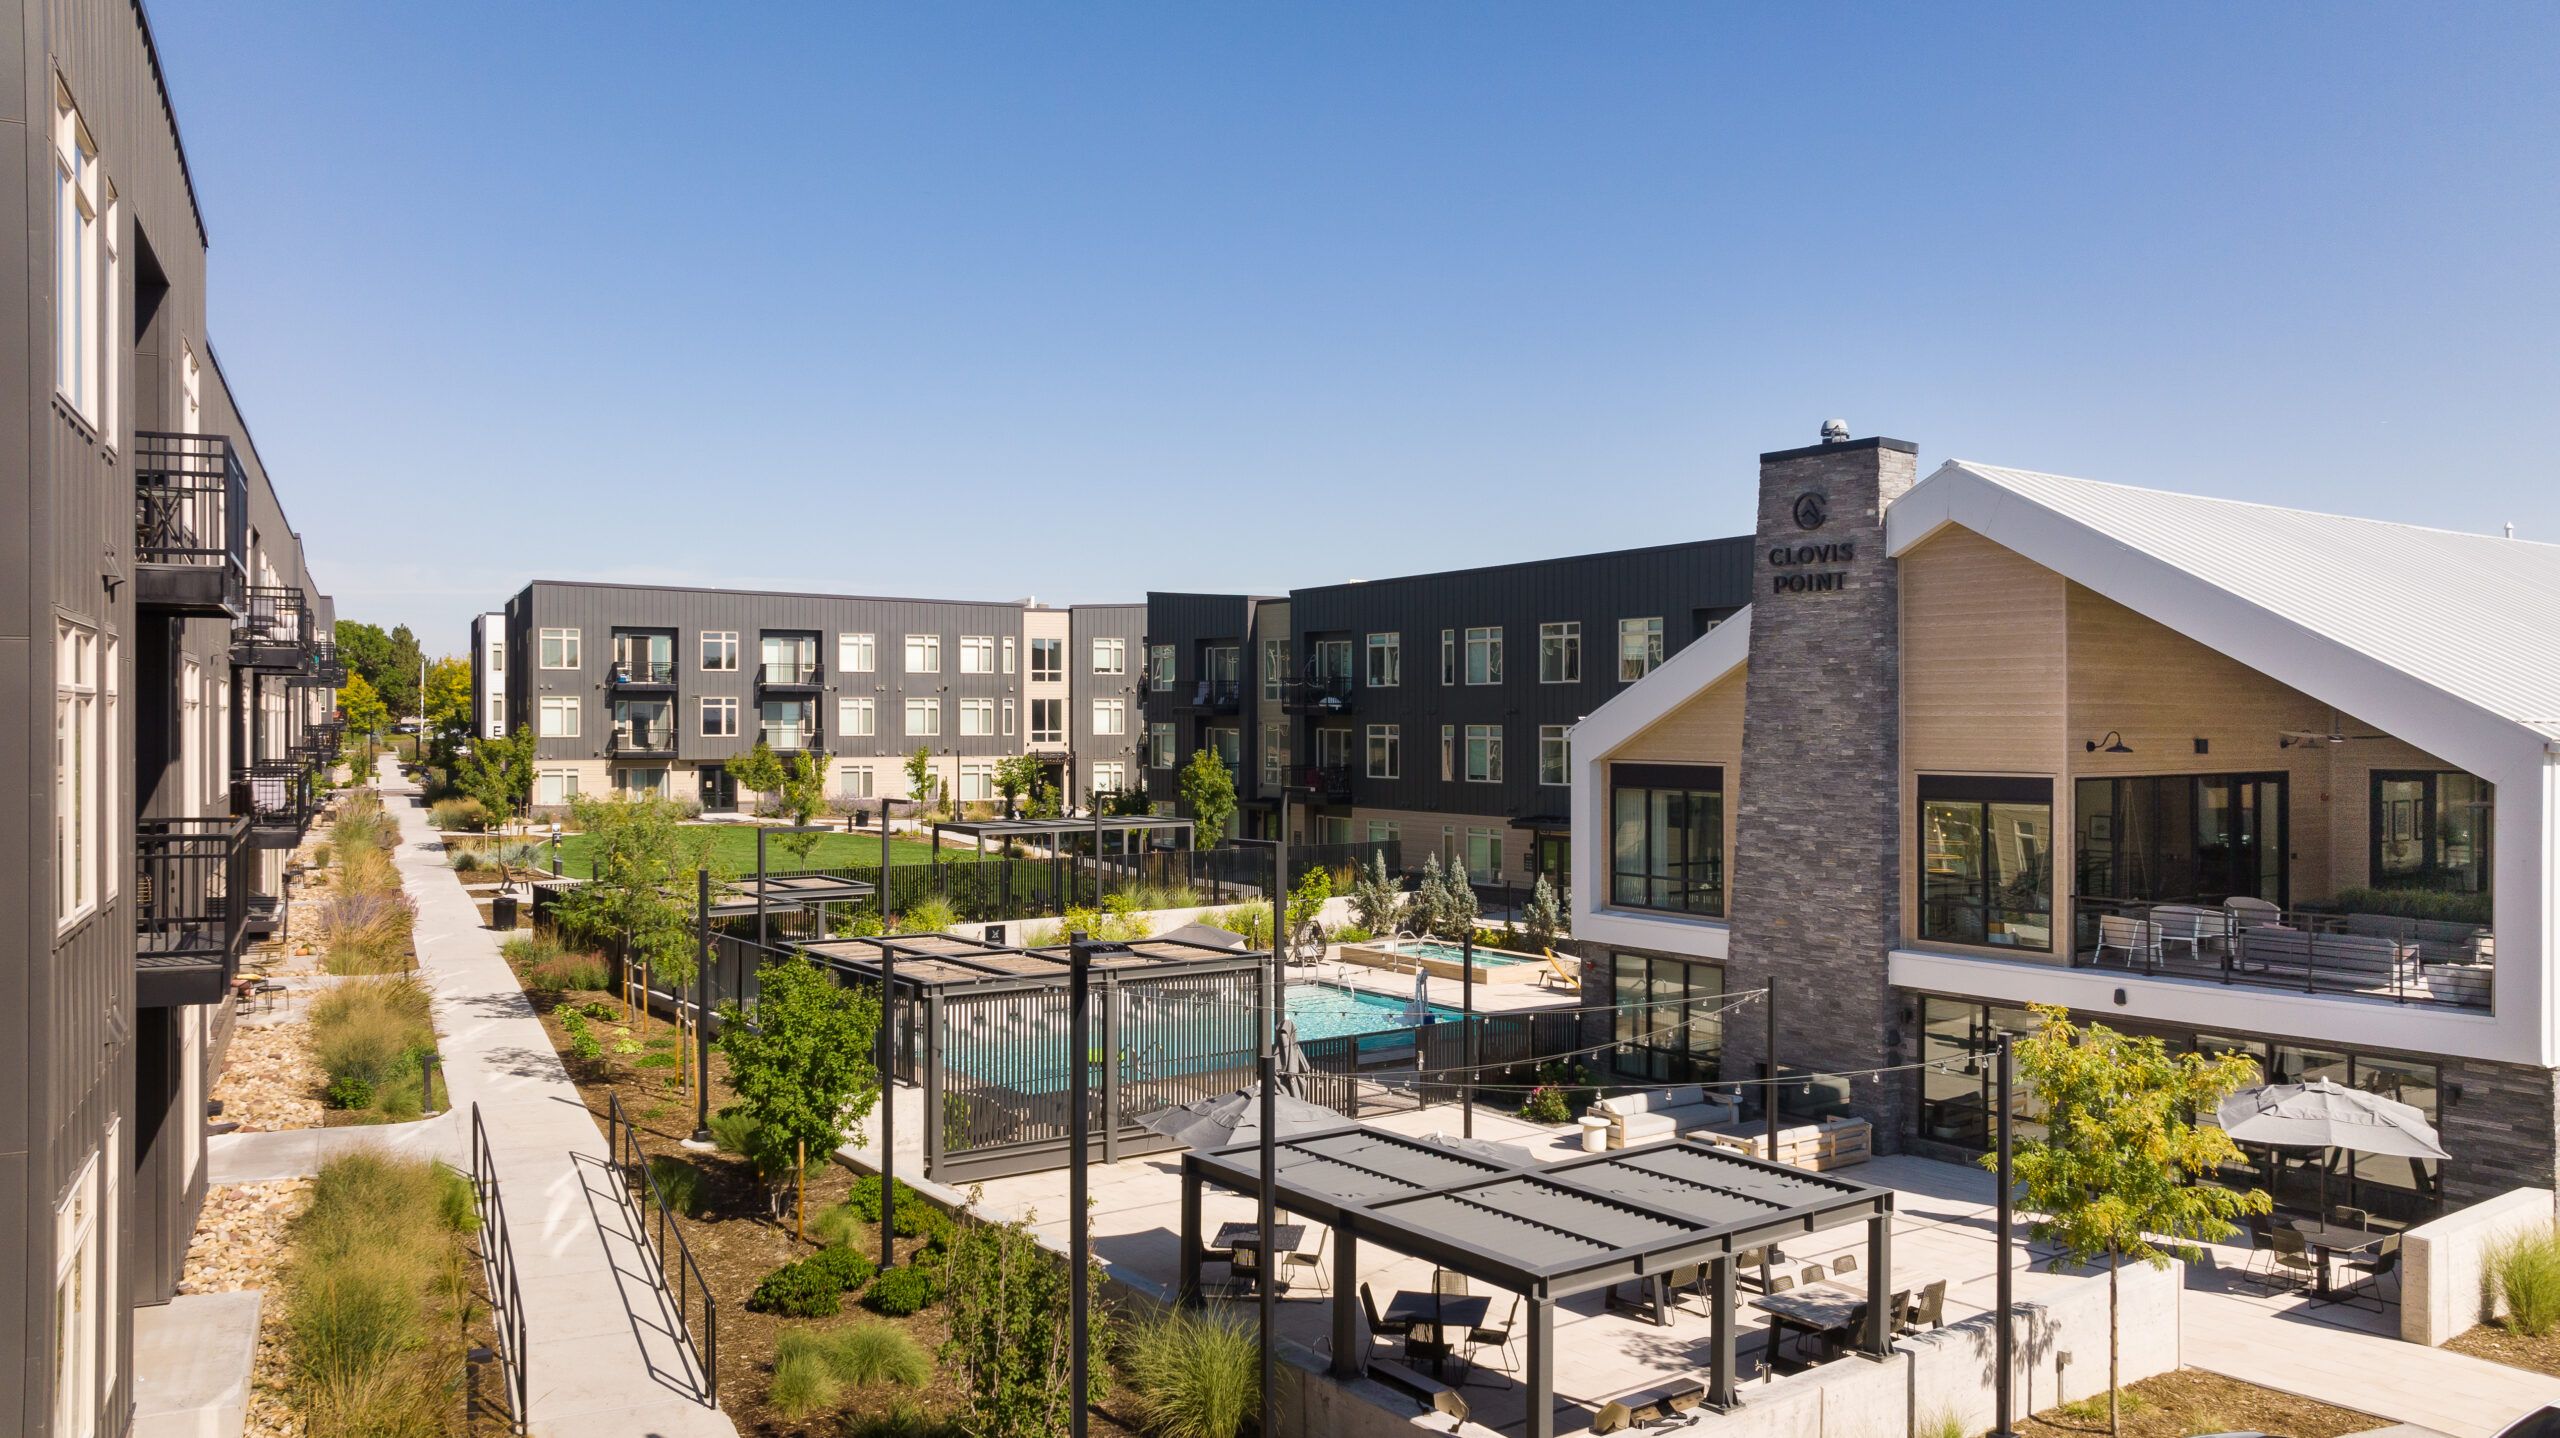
[1085, 624]
[1190, 623]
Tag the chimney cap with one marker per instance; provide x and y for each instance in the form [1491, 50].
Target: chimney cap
[1835, 431]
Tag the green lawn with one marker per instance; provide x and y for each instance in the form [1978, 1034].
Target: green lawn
[733, 850]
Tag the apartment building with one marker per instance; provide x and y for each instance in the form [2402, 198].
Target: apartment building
[654, 689]
[1431, 710]
[162, 625]
[2250, 779]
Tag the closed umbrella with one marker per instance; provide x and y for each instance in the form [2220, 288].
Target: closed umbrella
[2327, 1115]
[1418, 1012]
[1484, 1148]
[1236, 1118]
[1294, 1067]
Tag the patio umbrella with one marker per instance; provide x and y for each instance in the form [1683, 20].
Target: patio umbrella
[1418, 1012]
[2326, 1115]
[1236, 1118]
[1293, 1061]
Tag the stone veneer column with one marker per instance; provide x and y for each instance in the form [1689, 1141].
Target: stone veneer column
[1815, 889]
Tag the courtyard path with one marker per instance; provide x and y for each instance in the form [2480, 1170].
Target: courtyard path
[605, 1358]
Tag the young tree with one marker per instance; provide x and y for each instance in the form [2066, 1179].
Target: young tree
[1306, 904]
[363, 707]
[1209, 791]
[1430, 909]
[801, 1063]
[449, 710]
[920, 780]
[759, 769]
[803, 797]
[1543, 916]
[1377, 897]
[498, 773]
[1458, 914]
[1047, 802]
[1016, 776]
[2123, 1161]
[642, 892]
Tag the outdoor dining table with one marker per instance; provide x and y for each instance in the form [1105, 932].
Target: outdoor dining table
[1816, 1309]
[2324, 1239]
[1439, 1312]
[1247, 1238]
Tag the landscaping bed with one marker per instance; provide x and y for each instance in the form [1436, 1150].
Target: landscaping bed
[2500, 1342]
[239, 1246]
[2191, 1401]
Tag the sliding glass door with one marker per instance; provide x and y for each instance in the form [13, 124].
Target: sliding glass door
[2195, 838]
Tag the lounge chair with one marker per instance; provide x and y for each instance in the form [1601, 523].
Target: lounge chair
[1556, 976]
[2137, 939]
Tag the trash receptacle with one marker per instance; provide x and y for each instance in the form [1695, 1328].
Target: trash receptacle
[502, 912]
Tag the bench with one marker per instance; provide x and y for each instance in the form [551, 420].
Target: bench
[1636, 1118]
[1829, 1144]
[2353, 961]
[1437, 1396]
[1649, 1405]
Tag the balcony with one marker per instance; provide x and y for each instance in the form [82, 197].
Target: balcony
[2379, 956]
[642, 741]
[1324, 783]
[1216, 696]
[273, 632]
[275, 797]
[319, 741]
[1321, 694]
[190, 908]
[790, 738]
[642, 674]
[791, 674]
[190, 525]
[324, 667]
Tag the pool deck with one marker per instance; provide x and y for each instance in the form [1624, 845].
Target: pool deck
[1514, 998]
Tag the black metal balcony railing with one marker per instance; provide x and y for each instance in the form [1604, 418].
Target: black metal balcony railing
[1326, 693]
[190, 522]
[275, 797]
[323, 664]
[1328, 782]
[791, 674]
[642, 673]
[274, 628]
[2408, 961]
[659, 738]
[1220, 696]
[191, 903]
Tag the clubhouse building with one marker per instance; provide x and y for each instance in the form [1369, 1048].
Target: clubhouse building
[2247, 778]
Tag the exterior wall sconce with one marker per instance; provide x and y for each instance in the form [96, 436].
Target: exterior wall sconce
[2113, 743]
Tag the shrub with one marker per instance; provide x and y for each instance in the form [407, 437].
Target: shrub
[900, 1291]
[1352, 934]
[373, 1296]
[458, 815]
[1946, 1423]
[1009, 1318]
[1197, 1374]
[320, 855]
[568, 973]
[373, 1031]
[734, 1132]
[2436, 904]
[844, 1266]
[927, 916]
[1251, 922]
[366, 931]
[803, 1386]
[837, 1227]
[347, 1092]
[902, 1419]
[2526, 1270]
[796, 1290]
[918, 1219]
[863, 1354]
[679, 1183]
[1547, 1104]
[864, 1200]
[466, 861]
[527, 949]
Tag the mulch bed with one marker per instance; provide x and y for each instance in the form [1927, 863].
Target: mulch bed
[2189, 1401]
[2498, 1343]
[239, 1245]
[738, 1241]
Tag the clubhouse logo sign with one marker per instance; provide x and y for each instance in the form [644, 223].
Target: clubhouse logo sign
[1811, 568]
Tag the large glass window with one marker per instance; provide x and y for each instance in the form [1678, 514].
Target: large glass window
[1560, 653]
[1048, 660]
[1048, 721]
[1484, 655]
[1960, 1091]
[924, 654]
[1159, 665]
[2430, 831]
[1386, 751]
[1669, 1028]
[1386, 661]
[559, 649]
[1275, 667]
[720, 650]
[1639, 648]
[1666, 837]
[1555, 754]
[977, 654]
[1484, 753]
[2192, 838]
[1160, 746]
[1986, 861]
[2395, 1191]
[855, 653]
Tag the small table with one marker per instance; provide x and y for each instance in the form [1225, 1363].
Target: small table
[1816, 1308]
[1439, 1312]
[1247, 1238]
[2325, 1239]
[1595, 1134]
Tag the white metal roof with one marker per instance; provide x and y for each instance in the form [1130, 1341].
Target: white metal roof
[2475, 617]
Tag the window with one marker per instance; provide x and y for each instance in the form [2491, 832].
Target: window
[853, 781]
[1048, 721]
[924, 718]
[1333, 828]
[1484, 854]
[1448, 657]
[78, 204]
[2430, 830]
[1008, 654]
[1160, 746]
[559, 716]
[1484, 753]
[78, 1306]
[1048, 661]
[857, 654]
[1275, 754]
[977, 654]
[1555, 754]
[1560, 653]
[1386, 661]
[637, 783]
[554, 788]
[1639, 648]
[559, 649]
[1275, 667]
[1222, 673]
[1668, 1024]
[1159, 665]
[110, 371]
[1484, 655]
[1386, 751]
[1111, 656]
[1228, 745]
[1008, 716]
[977, 718]
[1666, 837]
[1448, 753]
[924, 654]
[497, 717]
[1110, 716]
[977, 783]
[75, 769]
[1110, 776]
[1333, 749]
[111, 796]
[858, 718]
[720, 651]
[1382, 831]
[719, 717]
[1986, 861]
[1333, 660]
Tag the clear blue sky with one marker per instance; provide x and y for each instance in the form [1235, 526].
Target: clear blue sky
[1081, 300]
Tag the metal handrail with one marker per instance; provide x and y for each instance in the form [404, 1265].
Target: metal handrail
[2422, 961]
[498, 1265]
[623, 1138]
[650, 672]
[794, 674]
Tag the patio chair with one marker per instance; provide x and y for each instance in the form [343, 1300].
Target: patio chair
[2292, 1254]
[1556, 976]
[1449, 1283]
[2137, 939]
[1377, 1325]
[1931, 1308]
[2249, 913]
[1811, 1274]
[2188, 925]
[1780, 1283]
[1307, 1267]
[1845, 1263]
[1496, 1336]
[2385, 1263]
[2345, 1216]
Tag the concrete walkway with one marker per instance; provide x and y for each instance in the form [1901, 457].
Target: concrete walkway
[299, 1152]
[604, 1355]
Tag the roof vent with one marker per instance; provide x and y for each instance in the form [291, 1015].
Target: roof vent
[1835, 431]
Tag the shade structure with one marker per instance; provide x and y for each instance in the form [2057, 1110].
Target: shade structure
[1237, 1118]
[1207, 934]
[2323, 1114]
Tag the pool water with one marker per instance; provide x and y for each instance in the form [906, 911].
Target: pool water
[1450, 953]
[1322, 1011]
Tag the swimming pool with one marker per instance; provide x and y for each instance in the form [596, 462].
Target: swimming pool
[1020, 1041]
[1324, 1011]
[1443, 959]
[1449, 953]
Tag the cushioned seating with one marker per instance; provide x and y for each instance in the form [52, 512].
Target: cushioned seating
[1663, 1113]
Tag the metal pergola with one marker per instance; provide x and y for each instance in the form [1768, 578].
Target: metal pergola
[1548, 1231]
[1054, 832]
[776, 893]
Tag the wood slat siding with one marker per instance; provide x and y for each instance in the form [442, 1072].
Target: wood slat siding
[1705, 729]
